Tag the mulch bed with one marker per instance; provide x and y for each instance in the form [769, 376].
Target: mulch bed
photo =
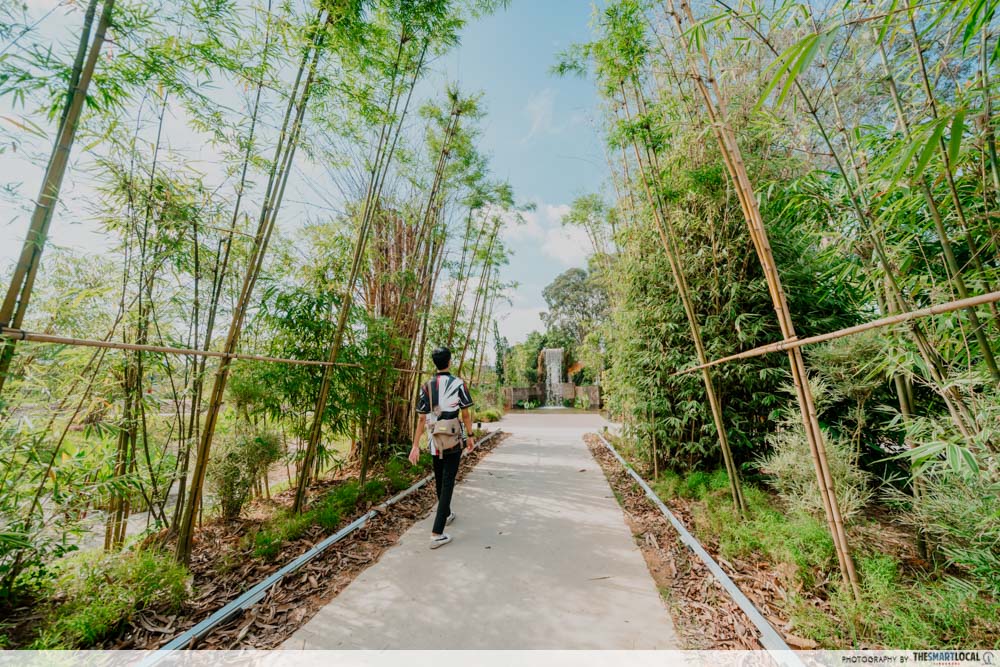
[223, 568]
[705, 617]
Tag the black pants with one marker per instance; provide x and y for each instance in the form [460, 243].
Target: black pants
[445, 470]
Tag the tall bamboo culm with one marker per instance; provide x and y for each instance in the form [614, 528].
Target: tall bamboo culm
[278, 177]
[743, 187]
[388, 138]
[18, 295]
[668, 239]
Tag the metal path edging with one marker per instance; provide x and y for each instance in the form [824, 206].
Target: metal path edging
[258, 591]
[769, 637]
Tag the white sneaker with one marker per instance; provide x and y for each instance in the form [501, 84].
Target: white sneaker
[451, 517]
[440, 540]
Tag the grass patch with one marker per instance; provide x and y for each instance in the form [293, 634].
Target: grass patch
[95, 594]
[331, 509]
[487, 415]
[668, 485]
[797, 540]
[896, 611]
[326, 512]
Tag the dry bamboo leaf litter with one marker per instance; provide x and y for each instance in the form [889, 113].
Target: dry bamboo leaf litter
[705, 617]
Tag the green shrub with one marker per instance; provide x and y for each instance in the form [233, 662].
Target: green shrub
[790, 470]
[695, 485]
[344, 496]
[295, 527]
[328, 517]
[327, 512]
[718, 480]
[960, 516]
[398, 473]
[237, 464]
[374, 490]
[488, 415]
[100, 592]
[667, 485]
[267, 544]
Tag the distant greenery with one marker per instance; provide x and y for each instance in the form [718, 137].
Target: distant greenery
[487, 415]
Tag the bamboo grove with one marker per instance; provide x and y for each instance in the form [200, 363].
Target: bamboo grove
[289, 191]
[807, 173]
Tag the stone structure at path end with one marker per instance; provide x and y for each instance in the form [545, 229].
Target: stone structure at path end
[553, 391]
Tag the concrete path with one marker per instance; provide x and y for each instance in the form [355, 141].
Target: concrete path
[541, 559]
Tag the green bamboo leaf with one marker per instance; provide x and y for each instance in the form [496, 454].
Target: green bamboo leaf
[14, 540]
[810, 47]
[972, 25]
[970, 461]
[889, 13]
[776, 70]
[954, 458]
[27, 125]
[929, 147]
[923, 452]
[955, 141]
[911, 151]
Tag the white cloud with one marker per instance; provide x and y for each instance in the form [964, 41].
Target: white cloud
[542, 227]
[568, 245]
[540, 110]
[527, 228]
[553, 214]
[515, 324]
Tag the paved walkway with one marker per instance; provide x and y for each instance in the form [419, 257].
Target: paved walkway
[541, 559]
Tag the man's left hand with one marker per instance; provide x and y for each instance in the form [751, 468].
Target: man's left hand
[470, 445]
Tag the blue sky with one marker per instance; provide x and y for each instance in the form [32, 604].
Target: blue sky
[538, 131]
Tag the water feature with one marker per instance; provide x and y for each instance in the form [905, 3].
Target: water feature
[553, 359]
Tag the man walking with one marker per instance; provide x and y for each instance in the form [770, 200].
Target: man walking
[441, 400]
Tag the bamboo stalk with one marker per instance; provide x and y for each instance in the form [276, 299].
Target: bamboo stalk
[487, 316]
[794, 343]
[487, 267]
[949, 177]
[668, 239]
[218, 281]
[951, 263]
[959, 410]
[18, 295]
[32, 337]
[377, 181]
[732, 156]
[284, 153]
[462, 279]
